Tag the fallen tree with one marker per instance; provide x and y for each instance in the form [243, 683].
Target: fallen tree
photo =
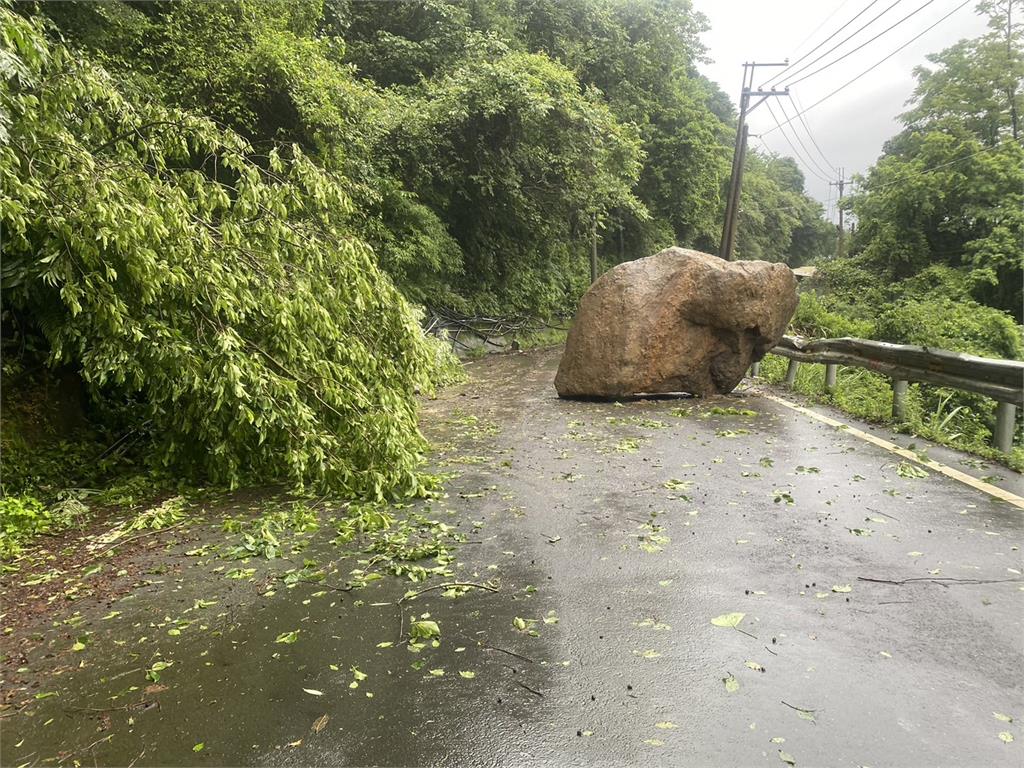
[219, 291]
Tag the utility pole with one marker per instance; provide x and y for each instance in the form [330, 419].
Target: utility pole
[841, 184]
[593, 250]
[740, 150]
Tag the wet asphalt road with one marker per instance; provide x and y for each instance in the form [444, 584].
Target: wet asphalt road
[772, 516]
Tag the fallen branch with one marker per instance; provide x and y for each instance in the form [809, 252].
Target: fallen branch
[944, 581]
[448, 585]
[317, 583]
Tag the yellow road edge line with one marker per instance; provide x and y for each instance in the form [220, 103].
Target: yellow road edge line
[955, 474]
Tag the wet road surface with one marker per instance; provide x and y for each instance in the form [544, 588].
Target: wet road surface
[614, 534]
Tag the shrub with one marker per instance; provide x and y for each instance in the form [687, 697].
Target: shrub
[24, 517]
[961, 326]
[935, 282]
[849, 281]
[814, 320]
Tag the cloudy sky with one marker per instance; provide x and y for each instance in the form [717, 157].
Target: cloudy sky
[851, 126]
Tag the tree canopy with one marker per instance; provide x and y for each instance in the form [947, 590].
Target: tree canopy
[949, 189]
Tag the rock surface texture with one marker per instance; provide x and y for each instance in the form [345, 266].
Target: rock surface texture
[678, 321]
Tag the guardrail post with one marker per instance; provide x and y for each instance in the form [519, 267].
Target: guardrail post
[794, 365]
[755, 369]
[1006, 420]
[830, 376]
[899, 399]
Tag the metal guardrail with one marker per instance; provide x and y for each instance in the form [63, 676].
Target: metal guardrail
[1001, 380]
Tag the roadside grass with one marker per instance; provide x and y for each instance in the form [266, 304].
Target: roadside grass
[954, 419]
[542, 339]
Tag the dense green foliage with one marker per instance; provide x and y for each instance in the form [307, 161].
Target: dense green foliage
[949, 189]
[938, 251]
[227, 297]
[219, 217]
[480, 140]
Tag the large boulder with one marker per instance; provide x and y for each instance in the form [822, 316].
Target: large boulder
[678, 321]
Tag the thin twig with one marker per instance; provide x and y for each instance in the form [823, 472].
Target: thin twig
[122, 542]
[448, 585]
[314, 582]
[883, 514]
[534, 691]
[96, 709]
[944, 581]
[800, 709]
[94, 744]
[773, 653]
[504, 650]
[128, 672]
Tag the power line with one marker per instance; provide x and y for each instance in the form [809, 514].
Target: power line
[792, 146]
[797, 105]
[873, 66]
[825, 21]
[862, 45]
[844, 40]
[844, 26]
[832, 168]
[900, 180]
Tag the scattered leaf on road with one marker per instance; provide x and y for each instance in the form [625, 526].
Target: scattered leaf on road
[906, 469]
[728, 619]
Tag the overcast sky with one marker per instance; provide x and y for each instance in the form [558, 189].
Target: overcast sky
[851, 126]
